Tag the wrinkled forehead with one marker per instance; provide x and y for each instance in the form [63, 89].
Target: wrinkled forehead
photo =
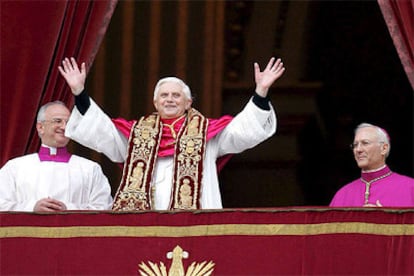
[366, 133]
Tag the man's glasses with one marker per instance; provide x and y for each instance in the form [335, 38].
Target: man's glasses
[56, 121]
[363, 144]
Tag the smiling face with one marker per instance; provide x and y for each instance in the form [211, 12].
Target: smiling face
[51, 128]
[170, 101]
[369, 151]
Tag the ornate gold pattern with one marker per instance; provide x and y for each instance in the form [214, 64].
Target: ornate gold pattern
[135, 191]
[188, 163]
[177, 268]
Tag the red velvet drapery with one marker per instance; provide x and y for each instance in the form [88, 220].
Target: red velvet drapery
[35, 37]
[294, 241]
[399, 17]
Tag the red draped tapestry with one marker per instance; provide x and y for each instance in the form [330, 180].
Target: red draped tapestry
[280, 241]
[35, 37]
[399, 17]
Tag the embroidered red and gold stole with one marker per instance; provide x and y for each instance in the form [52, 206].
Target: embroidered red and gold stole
[135, 191]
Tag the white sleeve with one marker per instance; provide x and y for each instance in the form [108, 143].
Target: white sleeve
[100, 195]
[249, 128]
[8, 191]
[96, 130]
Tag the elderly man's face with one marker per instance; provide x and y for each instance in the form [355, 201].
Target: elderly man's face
[52, 130]
[171, 102]
[369, 152]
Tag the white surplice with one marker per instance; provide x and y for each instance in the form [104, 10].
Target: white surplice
[250, 127]
[80, 184]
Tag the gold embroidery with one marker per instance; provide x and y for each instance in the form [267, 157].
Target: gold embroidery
[135, 180]
[135, 191]
[177, 267]
[189, 163]
[193, 126]
[190, 147]
[185, 194]
[132, 193]
[130, 201]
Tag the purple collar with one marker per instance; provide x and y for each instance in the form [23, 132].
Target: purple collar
[62, 155]
[369, 176]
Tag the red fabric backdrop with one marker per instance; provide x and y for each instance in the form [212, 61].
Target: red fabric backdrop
[35, 37]
[281, 241]
[399, 17]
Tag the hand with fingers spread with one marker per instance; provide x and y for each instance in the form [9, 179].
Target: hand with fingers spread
[73, 76]
[172, 101]
[273, 71]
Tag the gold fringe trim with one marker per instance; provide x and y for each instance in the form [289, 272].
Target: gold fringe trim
[208, 230]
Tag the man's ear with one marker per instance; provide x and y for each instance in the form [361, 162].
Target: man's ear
[188, 105]
[384, 148]
[40, 128]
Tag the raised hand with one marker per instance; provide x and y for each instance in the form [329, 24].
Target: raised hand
[270, 74]
[74, 77]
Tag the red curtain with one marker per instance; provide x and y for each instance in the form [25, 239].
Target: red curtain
[35, 37]
[399, 17]
[282, 241]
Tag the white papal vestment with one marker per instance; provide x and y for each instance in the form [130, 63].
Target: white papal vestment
[250, 127]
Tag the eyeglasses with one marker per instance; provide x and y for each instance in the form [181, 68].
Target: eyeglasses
[363, 144]
[56, 121]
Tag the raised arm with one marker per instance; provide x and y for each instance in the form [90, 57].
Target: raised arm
[74, 77]
[273, 71]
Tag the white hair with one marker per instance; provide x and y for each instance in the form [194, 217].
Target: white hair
[383, 136]
[41, 112]
[185, 89]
